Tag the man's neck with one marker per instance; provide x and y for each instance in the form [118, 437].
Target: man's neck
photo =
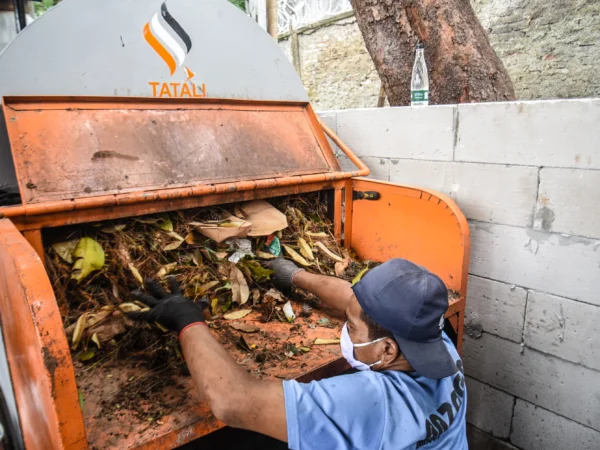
[401, 365]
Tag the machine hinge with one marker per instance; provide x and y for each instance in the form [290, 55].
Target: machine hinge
[368, 195]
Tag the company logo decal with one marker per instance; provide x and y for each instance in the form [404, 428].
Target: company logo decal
[172, 44]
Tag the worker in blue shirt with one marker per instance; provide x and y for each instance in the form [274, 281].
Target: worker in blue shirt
[408, 393]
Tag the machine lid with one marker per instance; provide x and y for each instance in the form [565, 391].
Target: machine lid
[69, 148]
[144, 48]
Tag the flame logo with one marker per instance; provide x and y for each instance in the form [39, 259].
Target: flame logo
[173, 46]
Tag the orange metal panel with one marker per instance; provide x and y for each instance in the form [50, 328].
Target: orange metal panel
[416, 224]
[337, 214]
[34, 237]
[150, 204]
[348, 206]
[38, 355]
[97, 148]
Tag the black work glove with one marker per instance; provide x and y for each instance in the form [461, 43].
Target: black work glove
[172, 310]
[284, 273]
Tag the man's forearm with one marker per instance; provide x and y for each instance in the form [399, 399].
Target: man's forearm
[233, 395]
[216, 374]
[334, 292]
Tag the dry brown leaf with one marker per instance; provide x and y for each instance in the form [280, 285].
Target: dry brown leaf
[320, 234]
[245, 327]
[305, 250]
[274, 295]
[190, 238]
[136, 273]
[328, 252]
[340, 267]
[255, 296]
[175, 244]
[201, 290]
[175, 236]
[65, 250]
[239, 287]
[172, 246]
[264, 255]
[166, 269]
[129, 307]
[108, 329]
[161, 327]
[296, 256]
[196, 256]
[231, 227]
[113, 228]
[95, 340]
[94, 318]
[246, 272]
[320, 341]
[79, 329]
[235, 315]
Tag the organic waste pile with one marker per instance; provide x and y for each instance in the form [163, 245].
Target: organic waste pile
[217, 252]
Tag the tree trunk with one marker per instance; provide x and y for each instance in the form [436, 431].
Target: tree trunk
[462, 65]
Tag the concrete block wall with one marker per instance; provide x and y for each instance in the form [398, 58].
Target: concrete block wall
[527, 176]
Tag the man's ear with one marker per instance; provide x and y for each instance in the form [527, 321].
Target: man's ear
[391, 351]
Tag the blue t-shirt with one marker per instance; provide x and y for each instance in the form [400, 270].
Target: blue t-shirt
[378, 410]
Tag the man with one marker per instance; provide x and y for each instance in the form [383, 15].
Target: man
[408, 393]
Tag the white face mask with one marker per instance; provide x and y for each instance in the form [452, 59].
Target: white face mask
[348, 350]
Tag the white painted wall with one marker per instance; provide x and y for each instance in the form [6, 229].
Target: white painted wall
[527, 176]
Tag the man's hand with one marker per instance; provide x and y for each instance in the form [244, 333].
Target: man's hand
[284, 273]
[171, 310]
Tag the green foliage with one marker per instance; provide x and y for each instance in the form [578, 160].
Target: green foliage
[239, 3]
[43, 6]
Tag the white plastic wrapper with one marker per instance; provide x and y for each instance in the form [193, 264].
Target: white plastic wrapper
[242, 247]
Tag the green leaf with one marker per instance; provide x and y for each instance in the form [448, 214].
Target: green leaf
[113, 228]
[89, 257]
[81, 396]
[224, 287]
[148, 220]
[259, 273]
[65, 250]
[226, 304]
[359, 276]
[87, 355]
[214, 306]
[165, 223]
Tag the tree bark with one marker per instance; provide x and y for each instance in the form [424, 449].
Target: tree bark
[463, 67]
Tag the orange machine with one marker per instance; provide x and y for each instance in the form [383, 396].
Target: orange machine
[107, 158]
[163, 108]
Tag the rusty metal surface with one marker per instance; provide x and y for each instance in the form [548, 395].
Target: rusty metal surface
[53, 209]
[97, 148]
[155, 204]
[36, 348]
[188, 418]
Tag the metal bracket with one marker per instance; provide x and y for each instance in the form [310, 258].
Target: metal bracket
[368, 195]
